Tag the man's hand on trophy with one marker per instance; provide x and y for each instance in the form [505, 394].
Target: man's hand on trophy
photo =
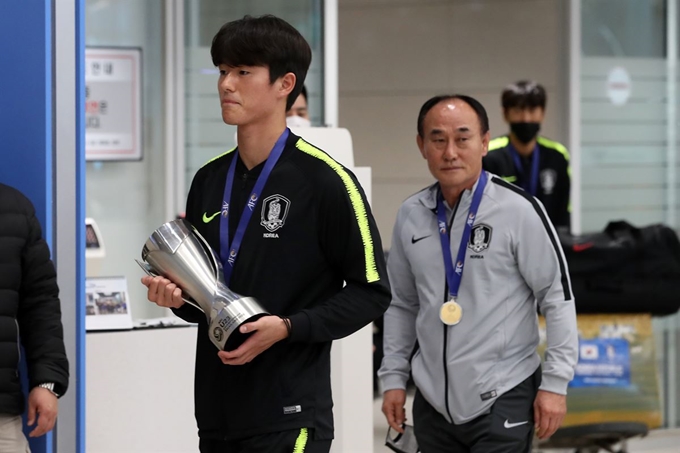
[163, 292]
[266, 331]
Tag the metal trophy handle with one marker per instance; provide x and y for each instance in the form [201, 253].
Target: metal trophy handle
[179, 253]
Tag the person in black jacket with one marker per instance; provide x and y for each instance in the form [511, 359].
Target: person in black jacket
[538, 165]
[310, 254]
[29, 314]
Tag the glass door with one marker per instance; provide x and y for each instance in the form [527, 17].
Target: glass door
[127, 198]
[629, 136]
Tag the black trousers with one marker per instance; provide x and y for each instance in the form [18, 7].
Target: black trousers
[293, 441]
[507, 428]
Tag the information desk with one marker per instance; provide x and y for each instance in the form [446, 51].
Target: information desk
[139, 388]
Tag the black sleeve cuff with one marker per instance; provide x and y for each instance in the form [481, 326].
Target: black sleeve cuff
[300, 327]
[189, 313]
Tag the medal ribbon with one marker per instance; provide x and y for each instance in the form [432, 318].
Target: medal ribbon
[530, 185]
[229, 252]
[455, 275]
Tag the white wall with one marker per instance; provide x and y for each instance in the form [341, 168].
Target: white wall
[395, 54]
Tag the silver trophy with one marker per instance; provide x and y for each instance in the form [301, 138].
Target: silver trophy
[179, 253]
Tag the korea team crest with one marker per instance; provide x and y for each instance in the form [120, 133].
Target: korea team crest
[480, 238]
[548, 180]
[274, 212]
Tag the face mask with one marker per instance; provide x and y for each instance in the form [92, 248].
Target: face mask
[525, 132]
[297, 121]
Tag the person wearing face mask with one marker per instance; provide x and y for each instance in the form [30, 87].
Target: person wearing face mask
[298, 114]
[538, 165]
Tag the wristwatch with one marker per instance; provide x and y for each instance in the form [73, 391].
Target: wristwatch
[49, 386]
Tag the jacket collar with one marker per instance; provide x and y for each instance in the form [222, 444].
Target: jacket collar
[428, 197]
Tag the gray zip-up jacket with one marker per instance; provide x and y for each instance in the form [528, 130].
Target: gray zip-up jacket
[513, 260]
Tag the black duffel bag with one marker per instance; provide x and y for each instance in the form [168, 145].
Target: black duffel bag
[625, 269]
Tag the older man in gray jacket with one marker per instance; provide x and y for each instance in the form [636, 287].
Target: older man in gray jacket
[471, 256]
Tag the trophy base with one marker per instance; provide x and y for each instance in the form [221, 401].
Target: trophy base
[237, 338]
[226, 318]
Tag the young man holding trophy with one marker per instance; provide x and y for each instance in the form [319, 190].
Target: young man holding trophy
[310, 260]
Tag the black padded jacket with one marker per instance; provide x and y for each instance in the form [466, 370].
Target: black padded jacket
[29, 304]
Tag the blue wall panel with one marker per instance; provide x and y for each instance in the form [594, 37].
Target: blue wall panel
[26, 149]
[26, 106]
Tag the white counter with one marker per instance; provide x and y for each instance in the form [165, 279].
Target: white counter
[139, 389]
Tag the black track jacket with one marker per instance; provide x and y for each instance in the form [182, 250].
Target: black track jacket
[554, 175]
[294, 259]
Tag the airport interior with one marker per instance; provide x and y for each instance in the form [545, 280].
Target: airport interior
[111, 107]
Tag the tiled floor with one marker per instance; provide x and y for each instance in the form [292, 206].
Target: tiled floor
[662, 441]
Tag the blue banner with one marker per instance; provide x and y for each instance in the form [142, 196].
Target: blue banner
[602, 362]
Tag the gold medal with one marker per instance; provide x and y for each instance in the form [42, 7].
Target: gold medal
[451, 312]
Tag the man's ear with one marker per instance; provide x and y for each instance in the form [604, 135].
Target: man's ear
[286, 84]
[485, 142]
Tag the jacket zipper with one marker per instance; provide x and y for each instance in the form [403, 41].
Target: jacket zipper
[444, 326]
[18, 346]
[446, 375]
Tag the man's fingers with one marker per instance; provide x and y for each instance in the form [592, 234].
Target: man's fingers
[544, 430]
[252, 326]
[167, 293]
[537, 416]
[544, 426]
[555, 423]
[400, 414]
[394, 412]
[238, 356]
[396, 426]
[177, 297]
[392, 418]
[238, 352]
[152, 292]
[237, 361]
[31, 413]
[230, 355]
[45, 424]
[552, 427]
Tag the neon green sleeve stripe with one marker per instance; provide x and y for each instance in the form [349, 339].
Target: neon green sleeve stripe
[357, 205]
[301, 441]
[554, 145]
[221, 155]
[560, 148]
[509, 178]
[498, 142]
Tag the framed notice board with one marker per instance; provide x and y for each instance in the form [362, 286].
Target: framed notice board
[113, 103]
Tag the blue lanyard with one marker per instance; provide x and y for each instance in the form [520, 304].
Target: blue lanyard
[531, 185]
[454, 276]
[229, 252]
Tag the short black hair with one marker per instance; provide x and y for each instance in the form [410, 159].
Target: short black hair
[472, 102]
[524, 94]
[303, 93]
[264, 41]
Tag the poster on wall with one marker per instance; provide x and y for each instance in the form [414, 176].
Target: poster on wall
[113, 110]
[107, 304]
